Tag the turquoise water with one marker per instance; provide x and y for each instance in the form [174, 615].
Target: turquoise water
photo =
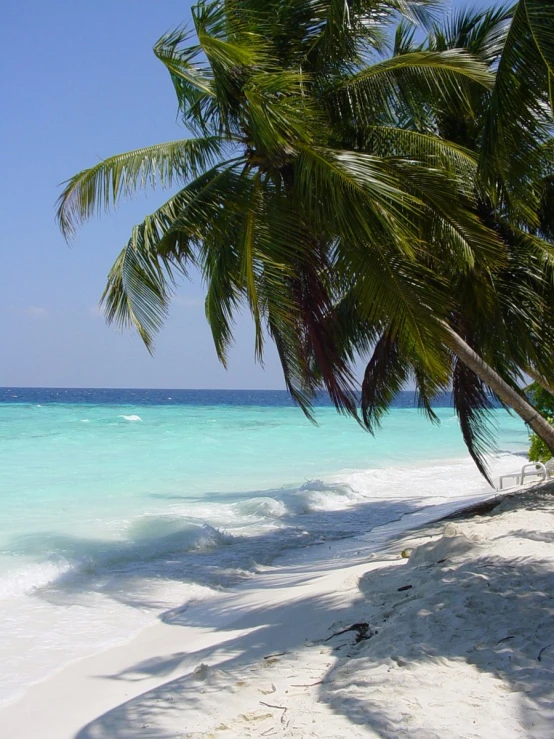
[114, 511]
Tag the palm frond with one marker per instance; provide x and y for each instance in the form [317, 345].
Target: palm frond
[455, 234]
[540, 15]
[139, 288]
[193, 82]
[420, 12]
[472, 405]
[339, 31]
[408, 82]
[179, 61]
[385, 375]
[518, 118]
[141, 281]
[247, 249]
[299, 383]
[356, 195]
[102, 186]
[391, 141]
[427, 388]
[402, 295]
[224, 294]
[322, 336]
[482, 32]
[279, 113]
[404, 39]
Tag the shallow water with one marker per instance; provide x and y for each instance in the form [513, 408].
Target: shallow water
[119, 504]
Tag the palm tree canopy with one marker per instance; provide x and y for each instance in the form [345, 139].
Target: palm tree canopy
[506, 313]
[519, 115]
[300, 178]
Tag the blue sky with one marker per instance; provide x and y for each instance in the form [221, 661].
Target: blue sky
[79, 83]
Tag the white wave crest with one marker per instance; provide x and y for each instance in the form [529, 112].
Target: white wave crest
[154, 536]
[265, 507]
[30, 577]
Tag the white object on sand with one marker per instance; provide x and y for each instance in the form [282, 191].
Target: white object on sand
[531, 469]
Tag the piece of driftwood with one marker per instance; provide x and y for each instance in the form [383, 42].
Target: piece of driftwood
[362, 630]
[543, 650]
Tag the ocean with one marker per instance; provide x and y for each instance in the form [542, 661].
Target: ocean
[120, 504]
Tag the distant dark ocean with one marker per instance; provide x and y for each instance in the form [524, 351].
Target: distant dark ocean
[119, 396]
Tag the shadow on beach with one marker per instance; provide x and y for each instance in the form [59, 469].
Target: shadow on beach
[492, 619]
[483, 626]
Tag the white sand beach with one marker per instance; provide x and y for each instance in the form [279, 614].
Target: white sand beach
[456, 641]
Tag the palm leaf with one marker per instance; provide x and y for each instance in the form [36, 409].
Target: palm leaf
[178, 61]
[102, 186]
[356, 195]
[472, 405]
[387, 141]
[385, 375]
[455, 234]
[139, 289]
[329, 362]
[193, 82]
[407, 82]
[247, 247]
[402, 295]
[540, 16]
[516, 122]
[482, 32]
[140, 283]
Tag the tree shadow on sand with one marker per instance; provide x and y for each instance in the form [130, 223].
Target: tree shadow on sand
[491, 618]
[259, 639]
[478, 627]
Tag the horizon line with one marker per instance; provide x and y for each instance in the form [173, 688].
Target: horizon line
[177, 389]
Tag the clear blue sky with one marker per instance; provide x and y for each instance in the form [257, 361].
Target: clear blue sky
[79, 82]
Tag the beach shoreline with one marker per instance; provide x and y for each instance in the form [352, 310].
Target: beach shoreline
[262, 656]
[93, 563]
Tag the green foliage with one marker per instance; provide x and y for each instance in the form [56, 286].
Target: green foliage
[504, 313]
[541, 399]
[538, 451]
[356, 205]
[519, 115]
[544, 403]
[282, 205]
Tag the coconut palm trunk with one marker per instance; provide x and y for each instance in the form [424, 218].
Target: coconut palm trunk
[538, 378]
[506, 393]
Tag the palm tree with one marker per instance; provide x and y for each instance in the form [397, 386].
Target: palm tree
[506, 313]
[278, 205]
[519, 116]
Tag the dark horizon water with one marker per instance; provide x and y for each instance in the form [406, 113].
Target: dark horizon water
[188, 397]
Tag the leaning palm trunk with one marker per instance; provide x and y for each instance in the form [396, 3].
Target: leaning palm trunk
[542, 381]
[506, 393]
